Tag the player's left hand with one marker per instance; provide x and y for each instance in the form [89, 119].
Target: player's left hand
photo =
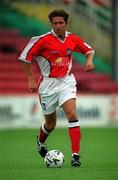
[89, 67]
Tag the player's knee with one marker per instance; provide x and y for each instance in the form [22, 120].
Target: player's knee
[72, 115]
[50, 125]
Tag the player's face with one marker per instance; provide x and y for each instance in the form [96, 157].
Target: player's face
[59, 26]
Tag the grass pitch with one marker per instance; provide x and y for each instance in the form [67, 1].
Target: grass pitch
[19, 159]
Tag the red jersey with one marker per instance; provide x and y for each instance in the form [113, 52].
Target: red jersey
[54, 56]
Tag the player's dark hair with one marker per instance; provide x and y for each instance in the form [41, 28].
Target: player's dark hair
[58, 13]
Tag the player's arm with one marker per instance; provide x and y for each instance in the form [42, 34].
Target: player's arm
[26, 57]
[30, 76]
[89, 66]
[87, 51]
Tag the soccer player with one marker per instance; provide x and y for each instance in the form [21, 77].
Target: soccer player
[57, 86]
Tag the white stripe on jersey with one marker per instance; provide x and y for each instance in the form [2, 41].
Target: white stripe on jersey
[88, 47]
[69, 67]
[89, 52]
[44, 66]
[30, 44]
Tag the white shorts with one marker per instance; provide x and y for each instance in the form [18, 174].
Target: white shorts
[53, 92]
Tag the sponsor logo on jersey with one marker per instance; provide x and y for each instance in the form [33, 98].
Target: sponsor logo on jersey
[61, 61]
[54, 52]
[58, 60]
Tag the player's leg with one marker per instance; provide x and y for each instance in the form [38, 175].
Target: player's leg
[45, 130]
[48, 100]
[47, 127]
[69, 108]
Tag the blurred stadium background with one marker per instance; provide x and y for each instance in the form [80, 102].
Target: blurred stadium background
[97, 101]
[95, 21]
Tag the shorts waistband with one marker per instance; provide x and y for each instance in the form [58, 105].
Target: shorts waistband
[47, 77]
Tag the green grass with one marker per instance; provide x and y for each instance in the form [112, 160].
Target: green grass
[19, 159]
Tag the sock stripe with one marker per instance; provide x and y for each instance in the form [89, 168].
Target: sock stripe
[74, 127]
[73, 121]
[73, 124]
[44, 130]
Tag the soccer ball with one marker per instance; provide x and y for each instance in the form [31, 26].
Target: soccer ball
[54, 158]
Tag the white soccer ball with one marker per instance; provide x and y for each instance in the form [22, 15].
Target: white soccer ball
[54, 158]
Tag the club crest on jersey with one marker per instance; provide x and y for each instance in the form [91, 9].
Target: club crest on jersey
[69, 51]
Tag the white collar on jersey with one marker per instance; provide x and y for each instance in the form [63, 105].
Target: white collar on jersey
[66, 33]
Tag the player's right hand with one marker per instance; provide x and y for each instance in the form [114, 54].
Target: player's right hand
[32, 86]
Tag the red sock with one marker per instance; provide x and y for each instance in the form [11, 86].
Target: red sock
[43, 134]
[75, 135]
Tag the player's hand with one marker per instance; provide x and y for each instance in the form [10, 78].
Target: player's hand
[32, 86]
[89, 66]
